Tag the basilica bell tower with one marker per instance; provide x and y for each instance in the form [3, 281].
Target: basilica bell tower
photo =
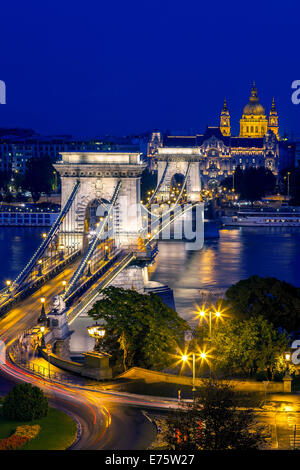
[273, 119]
[225, 120]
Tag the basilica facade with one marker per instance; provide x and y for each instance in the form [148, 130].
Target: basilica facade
[217, 151]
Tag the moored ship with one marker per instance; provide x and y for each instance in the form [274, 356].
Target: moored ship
[281, 218]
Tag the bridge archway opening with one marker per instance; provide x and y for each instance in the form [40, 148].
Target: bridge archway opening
[96, 210]
[176, 185]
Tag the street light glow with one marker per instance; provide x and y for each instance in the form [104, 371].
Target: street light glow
[43, 300]
[184, 357]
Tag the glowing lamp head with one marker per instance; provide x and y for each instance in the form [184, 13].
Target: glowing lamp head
[43, 300]
[218, 314]
[202, 313]
[42, 329]
[287, 356]
[64, 283]
[184, 357]
[203, 355]
[8, 283]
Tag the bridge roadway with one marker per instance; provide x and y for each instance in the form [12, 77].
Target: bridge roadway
[108, 420]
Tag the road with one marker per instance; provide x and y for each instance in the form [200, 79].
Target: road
[106, 421]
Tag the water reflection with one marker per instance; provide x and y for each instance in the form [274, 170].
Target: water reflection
[237, 254]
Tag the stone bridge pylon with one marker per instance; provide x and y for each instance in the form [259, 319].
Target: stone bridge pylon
[98, 175]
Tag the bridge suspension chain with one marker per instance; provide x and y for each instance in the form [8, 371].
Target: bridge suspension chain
[158, 186]
[70, 287]
[41, 249]
[175, 205]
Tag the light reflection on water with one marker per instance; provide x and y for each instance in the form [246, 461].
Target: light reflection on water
[237, 254]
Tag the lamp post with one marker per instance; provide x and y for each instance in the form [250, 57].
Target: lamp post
[287, 360]
[64, 283]
[40, 262]
[106, 253]
[8, 284]
[43, 344]
[202, 314]
[288, 187]
[43, 316]
[185, 358]
[98, 332]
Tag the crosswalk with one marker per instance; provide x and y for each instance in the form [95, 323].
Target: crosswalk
[294, 430]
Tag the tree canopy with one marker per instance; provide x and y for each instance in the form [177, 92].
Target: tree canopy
[40, 176]
[277, 301]
[214, 421]
[249, 346]
[25, 403]
[140, 329]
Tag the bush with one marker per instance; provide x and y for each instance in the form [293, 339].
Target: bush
[25, 403]
[261, 376]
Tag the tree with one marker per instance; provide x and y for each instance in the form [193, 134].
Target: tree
[40, 177]
[277, 301]
[140, 329]
[148, 182]
[25, 403]
[217, 420]
[249, 346]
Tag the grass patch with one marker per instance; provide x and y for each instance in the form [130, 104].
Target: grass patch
[58, 431]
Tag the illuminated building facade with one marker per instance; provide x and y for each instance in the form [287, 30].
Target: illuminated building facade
[217, 152]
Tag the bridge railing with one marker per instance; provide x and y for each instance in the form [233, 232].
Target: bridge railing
[72, 284]
[158, 185]
[116, 268]
[44, 245]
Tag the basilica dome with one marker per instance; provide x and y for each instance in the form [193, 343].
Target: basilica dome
[253, 106]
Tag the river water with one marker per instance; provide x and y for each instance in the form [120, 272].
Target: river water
[237, 254]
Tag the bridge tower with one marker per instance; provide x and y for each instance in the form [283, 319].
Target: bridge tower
[176, 161]
[98, 174]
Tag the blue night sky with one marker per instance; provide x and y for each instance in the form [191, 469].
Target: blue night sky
[118, 67]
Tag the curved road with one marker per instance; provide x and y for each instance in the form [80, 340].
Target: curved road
[105, 419]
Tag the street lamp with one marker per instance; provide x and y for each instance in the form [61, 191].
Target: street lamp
[8, 283]
[64, 283]
[288, 188]
[202, 314]
[185, 358]
[287, 360]
[40, 262]
[106, 253]
[43, 344]
[42, 316]
[98, 332]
